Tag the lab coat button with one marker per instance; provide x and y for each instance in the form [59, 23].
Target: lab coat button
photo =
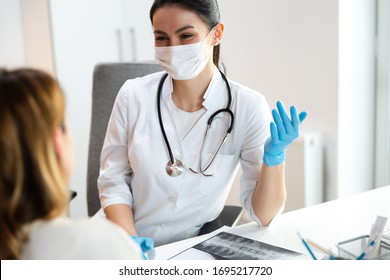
[171, 199]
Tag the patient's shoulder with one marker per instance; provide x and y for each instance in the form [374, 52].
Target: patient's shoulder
[63, 238]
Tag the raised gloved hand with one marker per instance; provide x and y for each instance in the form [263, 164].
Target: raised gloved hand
[146, 244]
[283, 132]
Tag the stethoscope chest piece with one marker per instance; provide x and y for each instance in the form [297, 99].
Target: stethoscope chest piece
[174, 169]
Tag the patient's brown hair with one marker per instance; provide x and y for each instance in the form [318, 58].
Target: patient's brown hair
[31, 183]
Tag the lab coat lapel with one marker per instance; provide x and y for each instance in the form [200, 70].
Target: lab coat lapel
[169, 123]
[215, 98]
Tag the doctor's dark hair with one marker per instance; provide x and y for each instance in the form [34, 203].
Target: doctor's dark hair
[32, 185]
[207, 10]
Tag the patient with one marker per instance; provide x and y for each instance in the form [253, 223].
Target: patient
[36, 153]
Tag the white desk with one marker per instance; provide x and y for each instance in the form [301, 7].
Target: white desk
[326, 223]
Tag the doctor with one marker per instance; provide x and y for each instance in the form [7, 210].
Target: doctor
[166, 167]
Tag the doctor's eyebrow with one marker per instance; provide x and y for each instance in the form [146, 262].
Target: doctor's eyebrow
[177, 31]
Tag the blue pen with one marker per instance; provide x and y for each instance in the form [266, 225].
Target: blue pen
[363, 254]
[307, 246]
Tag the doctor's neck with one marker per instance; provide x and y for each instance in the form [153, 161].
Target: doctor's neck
[188, 94]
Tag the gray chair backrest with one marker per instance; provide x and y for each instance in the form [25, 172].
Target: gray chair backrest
[107, 80]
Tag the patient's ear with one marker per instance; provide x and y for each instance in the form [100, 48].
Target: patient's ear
[64, 150]
[58, 140]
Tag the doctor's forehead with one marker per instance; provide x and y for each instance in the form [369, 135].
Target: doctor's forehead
[170, 19]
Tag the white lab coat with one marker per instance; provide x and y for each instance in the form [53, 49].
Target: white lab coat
[134, 154]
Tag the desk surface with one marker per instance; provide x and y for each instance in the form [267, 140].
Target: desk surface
[326, 223]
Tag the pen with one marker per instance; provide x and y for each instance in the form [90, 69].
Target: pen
[307, 246]
[322, 248]
[363, 254]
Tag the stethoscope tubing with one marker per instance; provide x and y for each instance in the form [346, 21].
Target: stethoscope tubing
[159, 90]
[210, 120]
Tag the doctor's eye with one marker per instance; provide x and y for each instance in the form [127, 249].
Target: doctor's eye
[161, 38]
[186, 36]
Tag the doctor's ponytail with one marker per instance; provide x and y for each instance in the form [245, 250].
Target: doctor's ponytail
[207, 10]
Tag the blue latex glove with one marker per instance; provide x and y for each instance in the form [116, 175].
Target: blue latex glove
[283, 132]
[146, 244]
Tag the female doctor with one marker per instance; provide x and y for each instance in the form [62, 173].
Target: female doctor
[175, 138]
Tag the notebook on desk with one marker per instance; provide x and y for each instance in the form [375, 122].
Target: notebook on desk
[228, 246]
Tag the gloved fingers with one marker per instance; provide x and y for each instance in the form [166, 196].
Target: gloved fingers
[302, 116]
[279, 124]
[147, 244]
[286, 120]
[297, 119]
[294, 118]
[274, 132]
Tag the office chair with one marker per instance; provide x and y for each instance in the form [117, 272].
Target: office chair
[107, 80]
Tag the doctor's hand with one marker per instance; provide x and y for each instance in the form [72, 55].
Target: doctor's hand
[283, 132]
[146, 244]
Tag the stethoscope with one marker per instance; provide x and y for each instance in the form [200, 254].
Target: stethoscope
[174, 166]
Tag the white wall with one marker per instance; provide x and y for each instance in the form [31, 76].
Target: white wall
[318, 55]
[356, 96]
[12, 51]
[37, 34]
[288, 50]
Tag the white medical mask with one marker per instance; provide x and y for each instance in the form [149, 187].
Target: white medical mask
[184, 62]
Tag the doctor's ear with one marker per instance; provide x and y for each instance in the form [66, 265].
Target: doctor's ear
[218, 33]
